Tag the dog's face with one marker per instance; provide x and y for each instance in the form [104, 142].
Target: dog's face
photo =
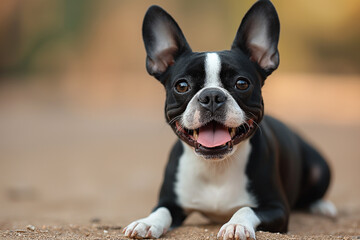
[213, 99]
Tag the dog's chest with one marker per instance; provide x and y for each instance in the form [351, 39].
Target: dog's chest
[217, 190]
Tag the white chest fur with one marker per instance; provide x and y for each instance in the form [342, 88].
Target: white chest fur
[216, 189]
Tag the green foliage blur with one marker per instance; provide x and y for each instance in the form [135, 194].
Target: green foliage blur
[53, 37]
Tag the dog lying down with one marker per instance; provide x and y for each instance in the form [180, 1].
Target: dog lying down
[231, 163]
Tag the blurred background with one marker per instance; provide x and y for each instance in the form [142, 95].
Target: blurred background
[82, 132]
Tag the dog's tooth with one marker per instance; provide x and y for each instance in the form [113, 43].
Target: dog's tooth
[195, 135]
[233, 132]
[230, 145]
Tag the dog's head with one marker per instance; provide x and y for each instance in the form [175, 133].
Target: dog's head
[213, 99]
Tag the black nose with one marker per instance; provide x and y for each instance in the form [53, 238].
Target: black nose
[212, 99]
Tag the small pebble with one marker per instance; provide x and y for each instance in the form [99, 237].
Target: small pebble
[106, 231]
[95, 220]
[30, 227]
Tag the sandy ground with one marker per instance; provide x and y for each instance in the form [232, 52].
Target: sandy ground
[73, 169]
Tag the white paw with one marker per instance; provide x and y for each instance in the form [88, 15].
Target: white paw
[153, 226]
[236, 231]
[324, 207]
[143, 230]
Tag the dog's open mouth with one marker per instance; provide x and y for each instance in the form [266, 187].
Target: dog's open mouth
[214, 139]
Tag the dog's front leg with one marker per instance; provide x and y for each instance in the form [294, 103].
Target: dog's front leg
[153, 226]
[244, 222]
[242, 225]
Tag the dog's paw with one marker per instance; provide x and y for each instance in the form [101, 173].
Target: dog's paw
[153, 226]
[143, 230]
[324, 207]
[236, 231]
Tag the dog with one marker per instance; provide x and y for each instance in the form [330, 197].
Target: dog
[232, 163]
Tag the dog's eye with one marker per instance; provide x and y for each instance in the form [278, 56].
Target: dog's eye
[182, 86]
[242, 83]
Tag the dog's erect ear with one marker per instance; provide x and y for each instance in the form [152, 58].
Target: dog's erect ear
[163, 40]
[258, 36]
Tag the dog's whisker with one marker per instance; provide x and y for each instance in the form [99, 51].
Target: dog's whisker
[258, 127]
[248, 118]
[175, 119]
[252, 114]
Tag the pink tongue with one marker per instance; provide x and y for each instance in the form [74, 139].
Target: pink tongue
[213, 135]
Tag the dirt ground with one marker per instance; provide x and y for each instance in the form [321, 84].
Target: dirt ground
[84, 166]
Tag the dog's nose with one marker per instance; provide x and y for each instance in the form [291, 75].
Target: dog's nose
[212, 99]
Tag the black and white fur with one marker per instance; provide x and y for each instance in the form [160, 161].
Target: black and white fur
[251, 182]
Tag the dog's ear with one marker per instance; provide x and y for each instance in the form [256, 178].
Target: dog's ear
[163, 39]
[258, 36]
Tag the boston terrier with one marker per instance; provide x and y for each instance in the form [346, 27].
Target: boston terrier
[232, 163]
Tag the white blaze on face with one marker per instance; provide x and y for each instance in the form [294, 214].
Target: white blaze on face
[212, 70]
[234, 115]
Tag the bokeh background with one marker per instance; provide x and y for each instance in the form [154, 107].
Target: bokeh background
[82, 132]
